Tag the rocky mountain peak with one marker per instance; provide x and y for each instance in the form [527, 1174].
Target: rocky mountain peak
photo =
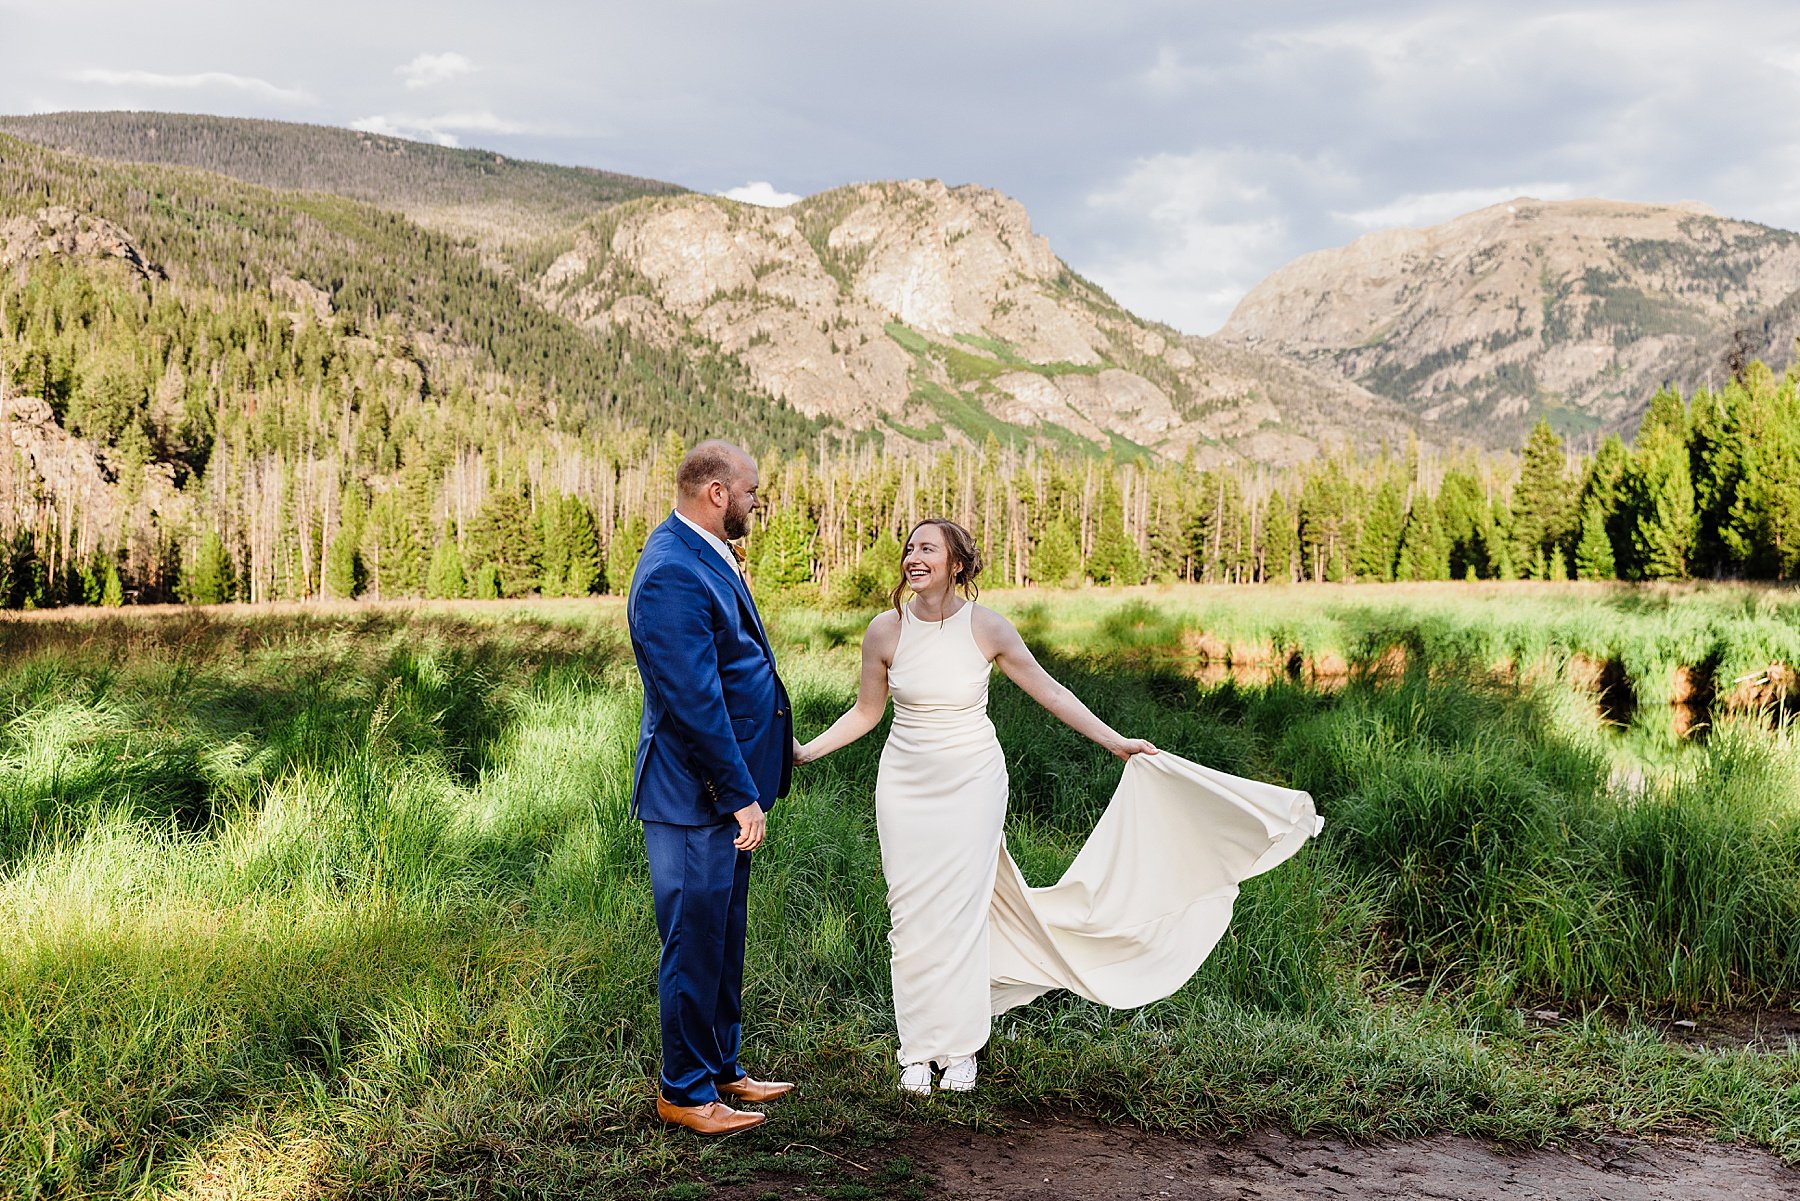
[1576, 308]
[931, 311]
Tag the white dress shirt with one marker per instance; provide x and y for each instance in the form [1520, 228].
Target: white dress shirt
[717, 543]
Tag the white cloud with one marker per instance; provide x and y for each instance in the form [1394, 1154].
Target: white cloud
[1206, 228]
[428, 69]
[1431, 208]
[760, 192]
[197, 80]
[1389, 45]
[1168, 76]
[442, 129]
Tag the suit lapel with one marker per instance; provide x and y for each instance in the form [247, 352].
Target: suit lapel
[711, 558]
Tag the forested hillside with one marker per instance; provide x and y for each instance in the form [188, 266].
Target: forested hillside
[208, 356]
[504, 198]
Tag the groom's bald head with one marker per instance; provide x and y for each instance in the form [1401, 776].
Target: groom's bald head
[714, 461]
[716, 488]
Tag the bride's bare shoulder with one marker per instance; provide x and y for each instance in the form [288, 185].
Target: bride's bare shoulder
[985, 617]
[884, 625]
[993, 632]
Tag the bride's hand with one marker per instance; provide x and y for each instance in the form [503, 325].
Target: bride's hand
[1127, 747]
[799, 753]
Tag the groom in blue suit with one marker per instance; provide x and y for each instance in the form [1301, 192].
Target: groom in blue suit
[714, 752]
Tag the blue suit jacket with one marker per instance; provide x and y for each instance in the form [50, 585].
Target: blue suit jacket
[717, 731]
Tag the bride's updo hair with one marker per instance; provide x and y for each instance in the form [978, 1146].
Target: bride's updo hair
[964, 554]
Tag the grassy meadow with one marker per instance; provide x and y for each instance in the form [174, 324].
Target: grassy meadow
[346, 901]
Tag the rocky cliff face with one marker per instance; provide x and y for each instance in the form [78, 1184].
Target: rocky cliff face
[1579, 309]
[928, 312]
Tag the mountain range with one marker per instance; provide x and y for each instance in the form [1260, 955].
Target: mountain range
[910, 312]
[915, 313]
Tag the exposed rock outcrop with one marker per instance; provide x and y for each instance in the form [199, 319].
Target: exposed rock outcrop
[934, 311]
[1581, 308]
[60, 230]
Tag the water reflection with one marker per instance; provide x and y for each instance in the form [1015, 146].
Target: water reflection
[1696, 695]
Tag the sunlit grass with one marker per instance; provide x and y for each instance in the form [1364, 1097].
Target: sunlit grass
[349, 902]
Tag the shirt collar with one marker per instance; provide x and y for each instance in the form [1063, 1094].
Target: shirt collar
[713, 540]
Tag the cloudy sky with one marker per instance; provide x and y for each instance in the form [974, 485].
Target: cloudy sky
[1173, 152]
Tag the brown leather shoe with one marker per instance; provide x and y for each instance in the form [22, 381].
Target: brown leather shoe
[755, 1091]
[715, 1117]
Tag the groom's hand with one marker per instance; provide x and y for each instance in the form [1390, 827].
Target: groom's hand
[752, 825]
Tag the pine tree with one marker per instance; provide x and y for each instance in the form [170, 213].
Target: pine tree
[1324, 519]
[1279, 541]
[342, 567]
[1424, 552]
[444, 579]
[873, 578]
[1594, 553]
[209, 582]
[1114, 557]
[504, 536]
[112, 595]
[1169, 550]
[1543, 501]
[1468, 526]
[622, 554]
[1762, 526]
[1055, 558]
[344, 572]
[1503, 564]
[1658, 493]
[582, 566]
[1501, 523]
[1725, 430]
[1378, 542]
[1216, 530]
[399, 536]
[784, 549]
[27, 583]
[1602, 494]
[553, 557]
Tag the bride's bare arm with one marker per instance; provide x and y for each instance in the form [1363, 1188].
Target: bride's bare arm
[878, 647]
[995, 634]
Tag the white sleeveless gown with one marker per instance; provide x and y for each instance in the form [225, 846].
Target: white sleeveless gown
[1143, 904]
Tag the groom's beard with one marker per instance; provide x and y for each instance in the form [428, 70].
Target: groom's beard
[737, 524]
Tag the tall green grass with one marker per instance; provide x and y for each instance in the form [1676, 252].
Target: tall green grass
[350, 903]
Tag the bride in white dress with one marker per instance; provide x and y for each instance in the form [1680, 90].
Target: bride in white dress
[1144, 902]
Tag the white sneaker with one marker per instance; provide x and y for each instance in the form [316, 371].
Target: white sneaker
[959, 1077]
[915, 1078]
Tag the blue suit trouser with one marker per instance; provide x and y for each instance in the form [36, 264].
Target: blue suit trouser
[700, 882]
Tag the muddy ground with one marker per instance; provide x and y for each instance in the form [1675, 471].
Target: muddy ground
[1068, 1159]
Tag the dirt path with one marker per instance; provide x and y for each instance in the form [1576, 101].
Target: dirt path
[1074, 1160]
